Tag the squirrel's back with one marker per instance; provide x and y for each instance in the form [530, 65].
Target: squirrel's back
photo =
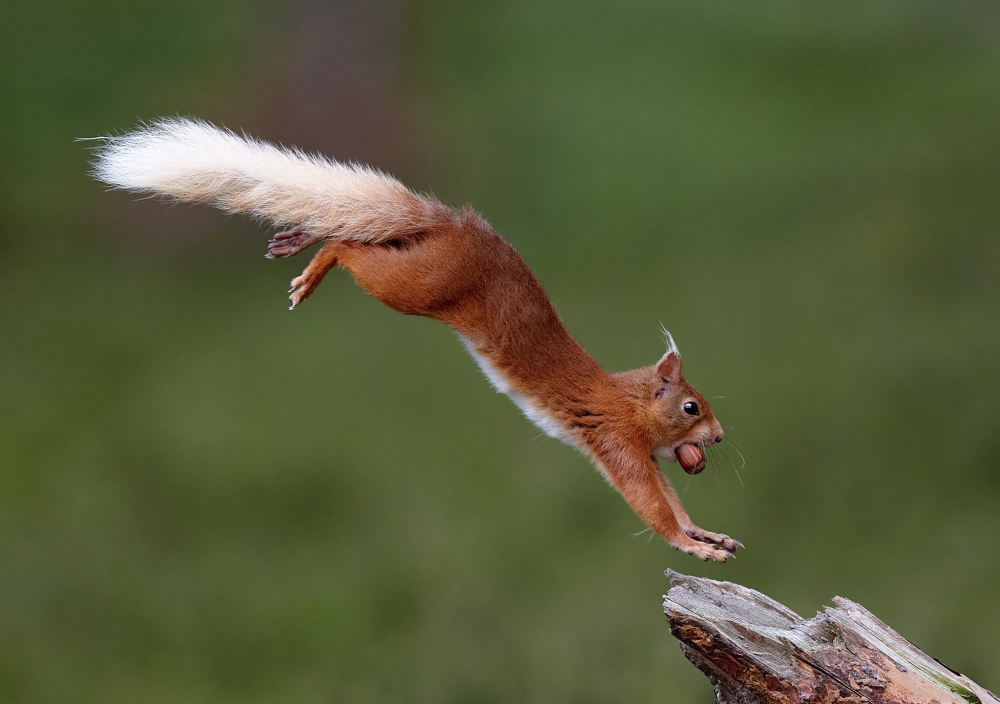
[465, 274]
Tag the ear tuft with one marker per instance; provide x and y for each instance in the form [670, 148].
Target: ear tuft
[669, 366]
[669, 340]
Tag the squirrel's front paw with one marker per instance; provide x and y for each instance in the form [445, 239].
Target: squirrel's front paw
[705, 551]
[705, 536]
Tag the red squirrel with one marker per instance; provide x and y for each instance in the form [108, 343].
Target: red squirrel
[420, 257]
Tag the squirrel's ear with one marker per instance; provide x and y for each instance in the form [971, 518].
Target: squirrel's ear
[669, 367]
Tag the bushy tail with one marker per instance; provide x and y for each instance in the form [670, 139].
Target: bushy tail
[191, 160]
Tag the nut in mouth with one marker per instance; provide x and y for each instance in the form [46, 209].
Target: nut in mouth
[691, 458]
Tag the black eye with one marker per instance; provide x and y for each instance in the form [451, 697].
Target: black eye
[691, 408]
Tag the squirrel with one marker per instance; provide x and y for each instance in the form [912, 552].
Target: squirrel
[420, 257]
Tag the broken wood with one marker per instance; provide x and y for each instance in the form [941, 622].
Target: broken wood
[756, 651]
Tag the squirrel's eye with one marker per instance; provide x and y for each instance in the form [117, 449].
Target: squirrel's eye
[691, 408]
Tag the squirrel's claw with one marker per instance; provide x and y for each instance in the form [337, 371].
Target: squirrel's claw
[707, 552]
[307, 282]
[302, 288]
[704, 551]
[716, 539]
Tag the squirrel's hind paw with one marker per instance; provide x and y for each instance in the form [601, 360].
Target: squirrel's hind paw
[290, 243]
[302, 288]
[304, 285]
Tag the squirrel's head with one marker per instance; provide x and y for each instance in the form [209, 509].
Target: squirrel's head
[677, 413]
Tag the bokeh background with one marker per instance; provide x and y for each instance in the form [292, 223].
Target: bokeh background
[206, 498]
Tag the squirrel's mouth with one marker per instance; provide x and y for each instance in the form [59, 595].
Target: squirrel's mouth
[691, 457]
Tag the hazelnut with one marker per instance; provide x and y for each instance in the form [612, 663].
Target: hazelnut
[691, 457]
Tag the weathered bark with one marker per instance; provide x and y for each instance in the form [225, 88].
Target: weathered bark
[756, 651]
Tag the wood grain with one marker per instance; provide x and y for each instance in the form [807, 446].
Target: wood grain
[756, 651]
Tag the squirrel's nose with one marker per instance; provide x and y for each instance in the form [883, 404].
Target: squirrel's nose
[718, 438]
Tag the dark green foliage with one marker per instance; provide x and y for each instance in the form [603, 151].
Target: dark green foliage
[205, 498]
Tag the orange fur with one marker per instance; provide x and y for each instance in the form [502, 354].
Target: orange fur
[461, 272]
[421, 258]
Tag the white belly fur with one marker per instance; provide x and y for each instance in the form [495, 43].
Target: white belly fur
[532, 411]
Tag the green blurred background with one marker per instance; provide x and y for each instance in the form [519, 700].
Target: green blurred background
[206, 498]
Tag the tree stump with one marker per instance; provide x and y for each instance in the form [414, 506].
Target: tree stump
[756, 651]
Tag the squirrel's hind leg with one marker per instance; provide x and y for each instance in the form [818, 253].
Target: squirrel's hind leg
[306, 283]
[290, 243]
